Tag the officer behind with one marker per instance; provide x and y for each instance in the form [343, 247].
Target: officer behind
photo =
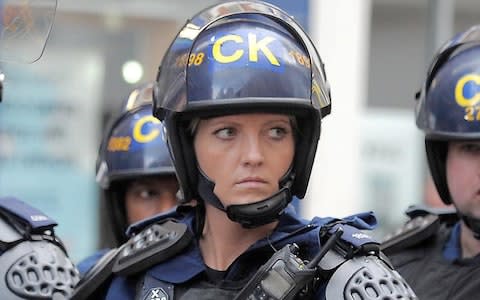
[242, 92]
[134, 168]
[439, 256]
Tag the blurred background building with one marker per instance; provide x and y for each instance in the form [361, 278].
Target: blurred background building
[370, 157]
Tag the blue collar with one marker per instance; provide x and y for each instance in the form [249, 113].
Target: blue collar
[452, 250]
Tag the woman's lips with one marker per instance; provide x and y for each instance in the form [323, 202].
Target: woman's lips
[251, 182]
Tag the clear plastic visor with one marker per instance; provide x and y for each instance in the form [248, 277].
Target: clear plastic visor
[24, 29]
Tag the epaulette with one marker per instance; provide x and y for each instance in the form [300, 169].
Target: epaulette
[424, 223]
[352, 243]
[152, 245]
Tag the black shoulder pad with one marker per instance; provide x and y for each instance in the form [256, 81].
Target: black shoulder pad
[413, 232]
[446, 215]
[95, 277]
[424, 222]
[152, 245]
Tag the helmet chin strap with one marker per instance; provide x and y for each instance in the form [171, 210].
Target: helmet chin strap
[253, 214]
[472, 223]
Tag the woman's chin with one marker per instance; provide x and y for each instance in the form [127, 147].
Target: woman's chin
[254, 198]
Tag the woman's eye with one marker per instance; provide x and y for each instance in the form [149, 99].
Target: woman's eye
[225, 133]
[278, 132]
[471, 147]
[146, 193]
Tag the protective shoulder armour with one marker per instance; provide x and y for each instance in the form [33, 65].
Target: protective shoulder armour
[367, 278]
[424, 223]
[33, 261]
[357, 269]
[152, 245]
[286, 276]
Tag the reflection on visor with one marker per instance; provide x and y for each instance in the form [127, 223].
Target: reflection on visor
[471, 35]
[139, 97]
[24, 29]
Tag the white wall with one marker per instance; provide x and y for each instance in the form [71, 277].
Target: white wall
[340, 29]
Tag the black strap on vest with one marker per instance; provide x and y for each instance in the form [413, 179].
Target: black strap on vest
[91, 283]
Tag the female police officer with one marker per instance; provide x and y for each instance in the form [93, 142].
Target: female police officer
[242, 92]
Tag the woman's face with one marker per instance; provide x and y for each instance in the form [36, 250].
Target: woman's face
[463, 176]
[245, 155]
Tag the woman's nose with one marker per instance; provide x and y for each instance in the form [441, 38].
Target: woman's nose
[252, 151]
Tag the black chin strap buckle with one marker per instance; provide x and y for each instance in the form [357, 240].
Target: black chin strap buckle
[262, 212]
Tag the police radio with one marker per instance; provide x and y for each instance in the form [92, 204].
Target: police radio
[349, 262]
[285, 275]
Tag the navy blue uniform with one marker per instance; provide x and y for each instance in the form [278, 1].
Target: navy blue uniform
[185, 276]
[435, 269]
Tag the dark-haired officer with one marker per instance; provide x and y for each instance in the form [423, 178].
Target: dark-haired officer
[437, 252]
[134, 168]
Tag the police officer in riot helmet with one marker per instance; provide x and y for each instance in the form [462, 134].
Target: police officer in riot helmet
[445, 245]
[242, 93]
[34, 263]
[134, 168]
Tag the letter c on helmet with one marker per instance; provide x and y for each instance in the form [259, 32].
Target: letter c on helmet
[148, 137]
